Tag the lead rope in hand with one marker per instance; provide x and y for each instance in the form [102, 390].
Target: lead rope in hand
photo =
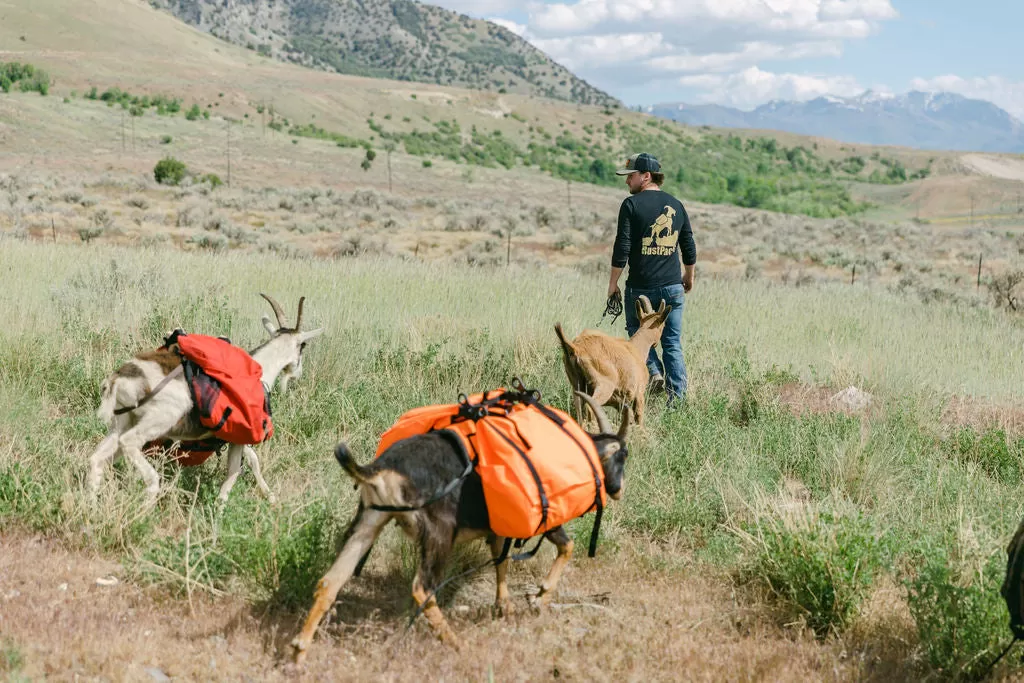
[612, 307]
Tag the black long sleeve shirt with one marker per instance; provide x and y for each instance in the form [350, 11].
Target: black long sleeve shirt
[653, 229]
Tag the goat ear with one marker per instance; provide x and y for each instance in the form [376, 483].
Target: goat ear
[312, 334]
[268, 326]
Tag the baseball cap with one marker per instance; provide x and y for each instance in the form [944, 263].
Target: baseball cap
[640, 163]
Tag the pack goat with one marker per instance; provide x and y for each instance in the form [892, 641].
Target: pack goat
[166, 412]
[405, 475]
[611, 369]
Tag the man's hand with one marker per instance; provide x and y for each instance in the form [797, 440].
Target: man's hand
[688, 279]
[613, 282]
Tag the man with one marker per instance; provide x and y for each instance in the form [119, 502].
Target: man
[655, 239]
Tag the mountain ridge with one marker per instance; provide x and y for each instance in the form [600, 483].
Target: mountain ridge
[923, 120]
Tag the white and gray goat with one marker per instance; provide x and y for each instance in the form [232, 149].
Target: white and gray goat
[148, 399]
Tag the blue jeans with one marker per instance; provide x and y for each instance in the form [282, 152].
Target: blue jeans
[673, 369]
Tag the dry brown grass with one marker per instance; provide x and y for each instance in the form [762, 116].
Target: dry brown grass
[610, 622]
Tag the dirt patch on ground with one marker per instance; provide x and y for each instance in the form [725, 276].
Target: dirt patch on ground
[801, 399]
[958, 411]
[981, 415]
[613, 620]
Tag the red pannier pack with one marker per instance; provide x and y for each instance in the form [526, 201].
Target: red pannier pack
[227, 388]
[227, 392]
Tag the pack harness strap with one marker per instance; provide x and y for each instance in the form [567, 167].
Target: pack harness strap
[442, 491]
[532, 398]
[145, 399]
[991, 666]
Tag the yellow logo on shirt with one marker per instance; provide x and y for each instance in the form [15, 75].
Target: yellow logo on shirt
[663, 238]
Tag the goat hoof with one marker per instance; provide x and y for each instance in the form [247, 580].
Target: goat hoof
[504, 609]
[539, 601]
[298, 652]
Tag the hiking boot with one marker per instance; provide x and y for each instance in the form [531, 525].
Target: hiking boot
[656, 385]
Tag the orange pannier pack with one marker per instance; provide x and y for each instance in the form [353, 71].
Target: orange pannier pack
[539, 468]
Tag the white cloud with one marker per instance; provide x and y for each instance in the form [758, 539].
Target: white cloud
[750, 53]
[629, 43]
[478, 8]
[518, 29]
[722, 49]
[1001, 91]
[752, 19]
[748, 88]
[589, 52]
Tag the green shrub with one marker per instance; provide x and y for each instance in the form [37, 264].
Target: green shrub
[821, 569]
[28, 77]
[193, 113]
[961, 617]
[213, 179]
[166, 139]
[169, 171]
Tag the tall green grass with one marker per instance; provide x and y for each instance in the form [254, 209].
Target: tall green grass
[807, 511]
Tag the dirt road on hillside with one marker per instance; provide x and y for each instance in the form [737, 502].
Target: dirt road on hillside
[1004, 167]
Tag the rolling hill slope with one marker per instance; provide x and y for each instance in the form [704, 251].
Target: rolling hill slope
[397, 39]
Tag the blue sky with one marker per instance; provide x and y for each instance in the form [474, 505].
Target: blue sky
[743, 53]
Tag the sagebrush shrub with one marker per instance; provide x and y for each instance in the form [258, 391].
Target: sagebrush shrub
[169, 171]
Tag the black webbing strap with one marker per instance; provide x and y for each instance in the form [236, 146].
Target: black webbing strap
[988, 669]
[442, 491]
[145, 399]
[533, 471]
[532, 398]
[504, 555]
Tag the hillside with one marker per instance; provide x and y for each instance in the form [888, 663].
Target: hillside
[434, 130]
[398, 39]
[941, 121]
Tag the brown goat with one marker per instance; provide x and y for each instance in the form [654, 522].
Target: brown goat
[610, 369]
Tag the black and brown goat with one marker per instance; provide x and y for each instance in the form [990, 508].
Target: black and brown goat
[405, 476]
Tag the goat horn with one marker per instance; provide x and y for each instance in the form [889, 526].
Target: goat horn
[646, 304]
[298, 318]
[277, 310]
[602, 419]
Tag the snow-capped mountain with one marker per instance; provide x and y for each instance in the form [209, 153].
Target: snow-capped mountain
[917, 119]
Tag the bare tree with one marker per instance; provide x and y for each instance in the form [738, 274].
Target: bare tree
[1003, 289]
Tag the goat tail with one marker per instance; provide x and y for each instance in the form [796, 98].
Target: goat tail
[108, 400]
[567, 349]
[344, 457]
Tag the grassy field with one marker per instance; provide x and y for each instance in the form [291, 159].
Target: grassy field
[854, 528]
[768, 530]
